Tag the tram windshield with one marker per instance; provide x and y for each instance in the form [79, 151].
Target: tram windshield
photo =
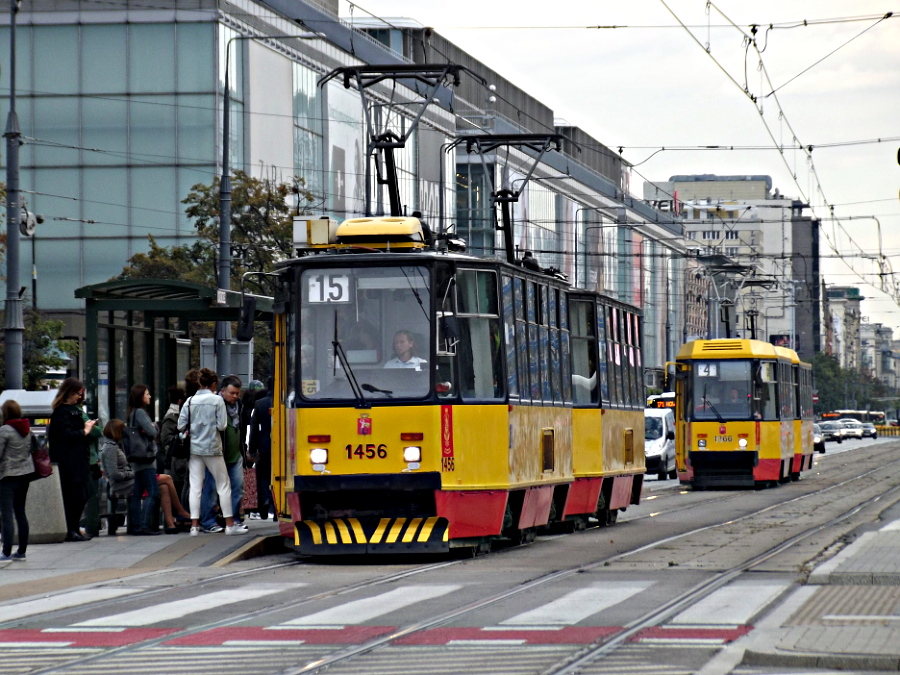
[722, 390]
[380, 317]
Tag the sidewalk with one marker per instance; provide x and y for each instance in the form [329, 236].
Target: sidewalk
[846, 617]
[52, 567]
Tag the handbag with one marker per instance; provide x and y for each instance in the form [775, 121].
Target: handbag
[41, 459]
[138, 448]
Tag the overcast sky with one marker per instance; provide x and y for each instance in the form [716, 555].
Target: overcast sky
[648, 84]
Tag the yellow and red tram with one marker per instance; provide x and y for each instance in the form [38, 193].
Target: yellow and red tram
[743, 414]
[429, 399]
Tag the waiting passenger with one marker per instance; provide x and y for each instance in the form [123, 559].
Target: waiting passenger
[404, 348]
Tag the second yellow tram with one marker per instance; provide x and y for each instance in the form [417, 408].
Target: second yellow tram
[744, 414]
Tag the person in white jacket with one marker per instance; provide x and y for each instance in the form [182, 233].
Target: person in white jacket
[208, 417]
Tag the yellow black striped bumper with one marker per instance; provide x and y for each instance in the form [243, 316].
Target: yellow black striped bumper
[341, 536]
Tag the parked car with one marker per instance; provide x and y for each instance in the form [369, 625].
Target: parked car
[659, 442]
[852, 428]
[832, 431]
[869, 430]
[818, 439]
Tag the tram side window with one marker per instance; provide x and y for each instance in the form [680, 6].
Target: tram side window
[544, 336]
[521, 337]
[615, 359]
[554, 347]
[534, 353]
[564, 348]
[602, 351]
[584, 349]
[480, 344]
[765, 398]
[509, 337]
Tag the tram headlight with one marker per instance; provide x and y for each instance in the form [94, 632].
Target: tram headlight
[412, 453]
[318, 455]
[742, 443]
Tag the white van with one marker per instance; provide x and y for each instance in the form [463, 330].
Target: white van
[659, 442]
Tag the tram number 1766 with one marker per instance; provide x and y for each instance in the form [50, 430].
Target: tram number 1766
[367, 451]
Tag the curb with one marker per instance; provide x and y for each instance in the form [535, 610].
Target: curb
[832, 661]
[259, 546]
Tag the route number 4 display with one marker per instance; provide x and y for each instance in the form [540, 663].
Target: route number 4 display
[328, 288]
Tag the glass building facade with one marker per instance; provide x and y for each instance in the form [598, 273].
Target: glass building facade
[119, 122]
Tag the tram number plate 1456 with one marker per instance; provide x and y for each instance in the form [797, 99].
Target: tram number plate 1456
[367, 451]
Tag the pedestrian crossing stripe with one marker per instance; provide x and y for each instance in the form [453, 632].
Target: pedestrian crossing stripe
[354, 535]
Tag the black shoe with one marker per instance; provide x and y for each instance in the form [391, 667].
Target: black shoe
[77, 536]
[145, 532]
[173, 530]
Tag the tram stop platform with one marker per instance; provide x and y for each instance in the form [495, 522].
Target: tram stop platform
[846, 616]
[58, 566]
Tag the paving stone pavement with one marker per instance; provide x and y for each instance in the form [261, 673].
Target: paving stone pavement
[847, 616]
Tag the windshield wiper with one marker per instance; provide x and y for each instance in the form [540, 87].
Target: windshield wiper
[348, 371]
[371, 388]
[712, 407]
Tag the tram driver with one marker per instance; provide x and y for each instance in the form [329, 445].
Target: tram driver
[404, 349]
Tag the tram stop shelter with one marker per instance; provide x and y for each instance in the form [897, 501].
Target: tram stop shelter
[137, 332]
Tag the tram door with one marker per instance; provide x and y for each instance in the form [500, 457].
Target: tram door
[682, 426]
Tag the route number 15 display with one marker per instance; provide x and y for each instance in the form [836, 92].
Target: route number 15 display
[328, 288]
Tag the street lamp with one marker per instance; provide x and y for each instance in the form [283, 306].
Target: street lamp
[223, 328]
[14, 327]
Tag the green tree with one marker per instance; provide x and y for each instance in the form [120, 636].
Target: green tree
[43, 349]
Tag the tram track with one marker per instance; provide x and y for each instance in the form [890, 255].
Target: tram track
[651, 618]
[587, 655]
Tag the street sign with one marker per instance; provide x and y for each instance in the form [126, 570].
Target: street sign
[815, 398]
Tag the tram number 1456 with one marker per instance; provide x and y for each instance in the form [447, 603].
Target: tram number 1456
[367, 451]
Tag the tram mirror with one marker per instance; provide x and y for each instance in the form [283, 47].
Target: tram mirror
[448, 334]
[245, 324]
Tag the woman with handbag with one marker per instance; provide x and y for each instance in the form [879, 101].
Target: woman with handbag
[145, 483]
[16, 471]
[70, 438]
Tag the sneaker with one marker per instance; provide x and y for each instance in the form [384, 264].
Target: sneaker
[195, 531]
[7, 558]
[18, 556]
[255, 516]
[237, 528]
[215, 529]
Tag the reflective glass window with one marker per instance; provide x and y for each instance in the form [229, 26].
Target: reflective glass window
[104, 131]
[56, 121]
[154, 201]
[56, 57]
[103, 59]
[196, 131]
[151, 60]
[196, 47]
[105, 201]
[153, 129]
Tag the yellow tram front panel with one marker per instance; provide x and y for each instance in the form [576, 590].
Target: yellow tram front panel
[366, 441]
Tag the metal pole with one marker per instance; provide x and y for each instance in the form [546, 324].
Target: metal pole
[33, 272]
[223, 328]
[14, 327]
